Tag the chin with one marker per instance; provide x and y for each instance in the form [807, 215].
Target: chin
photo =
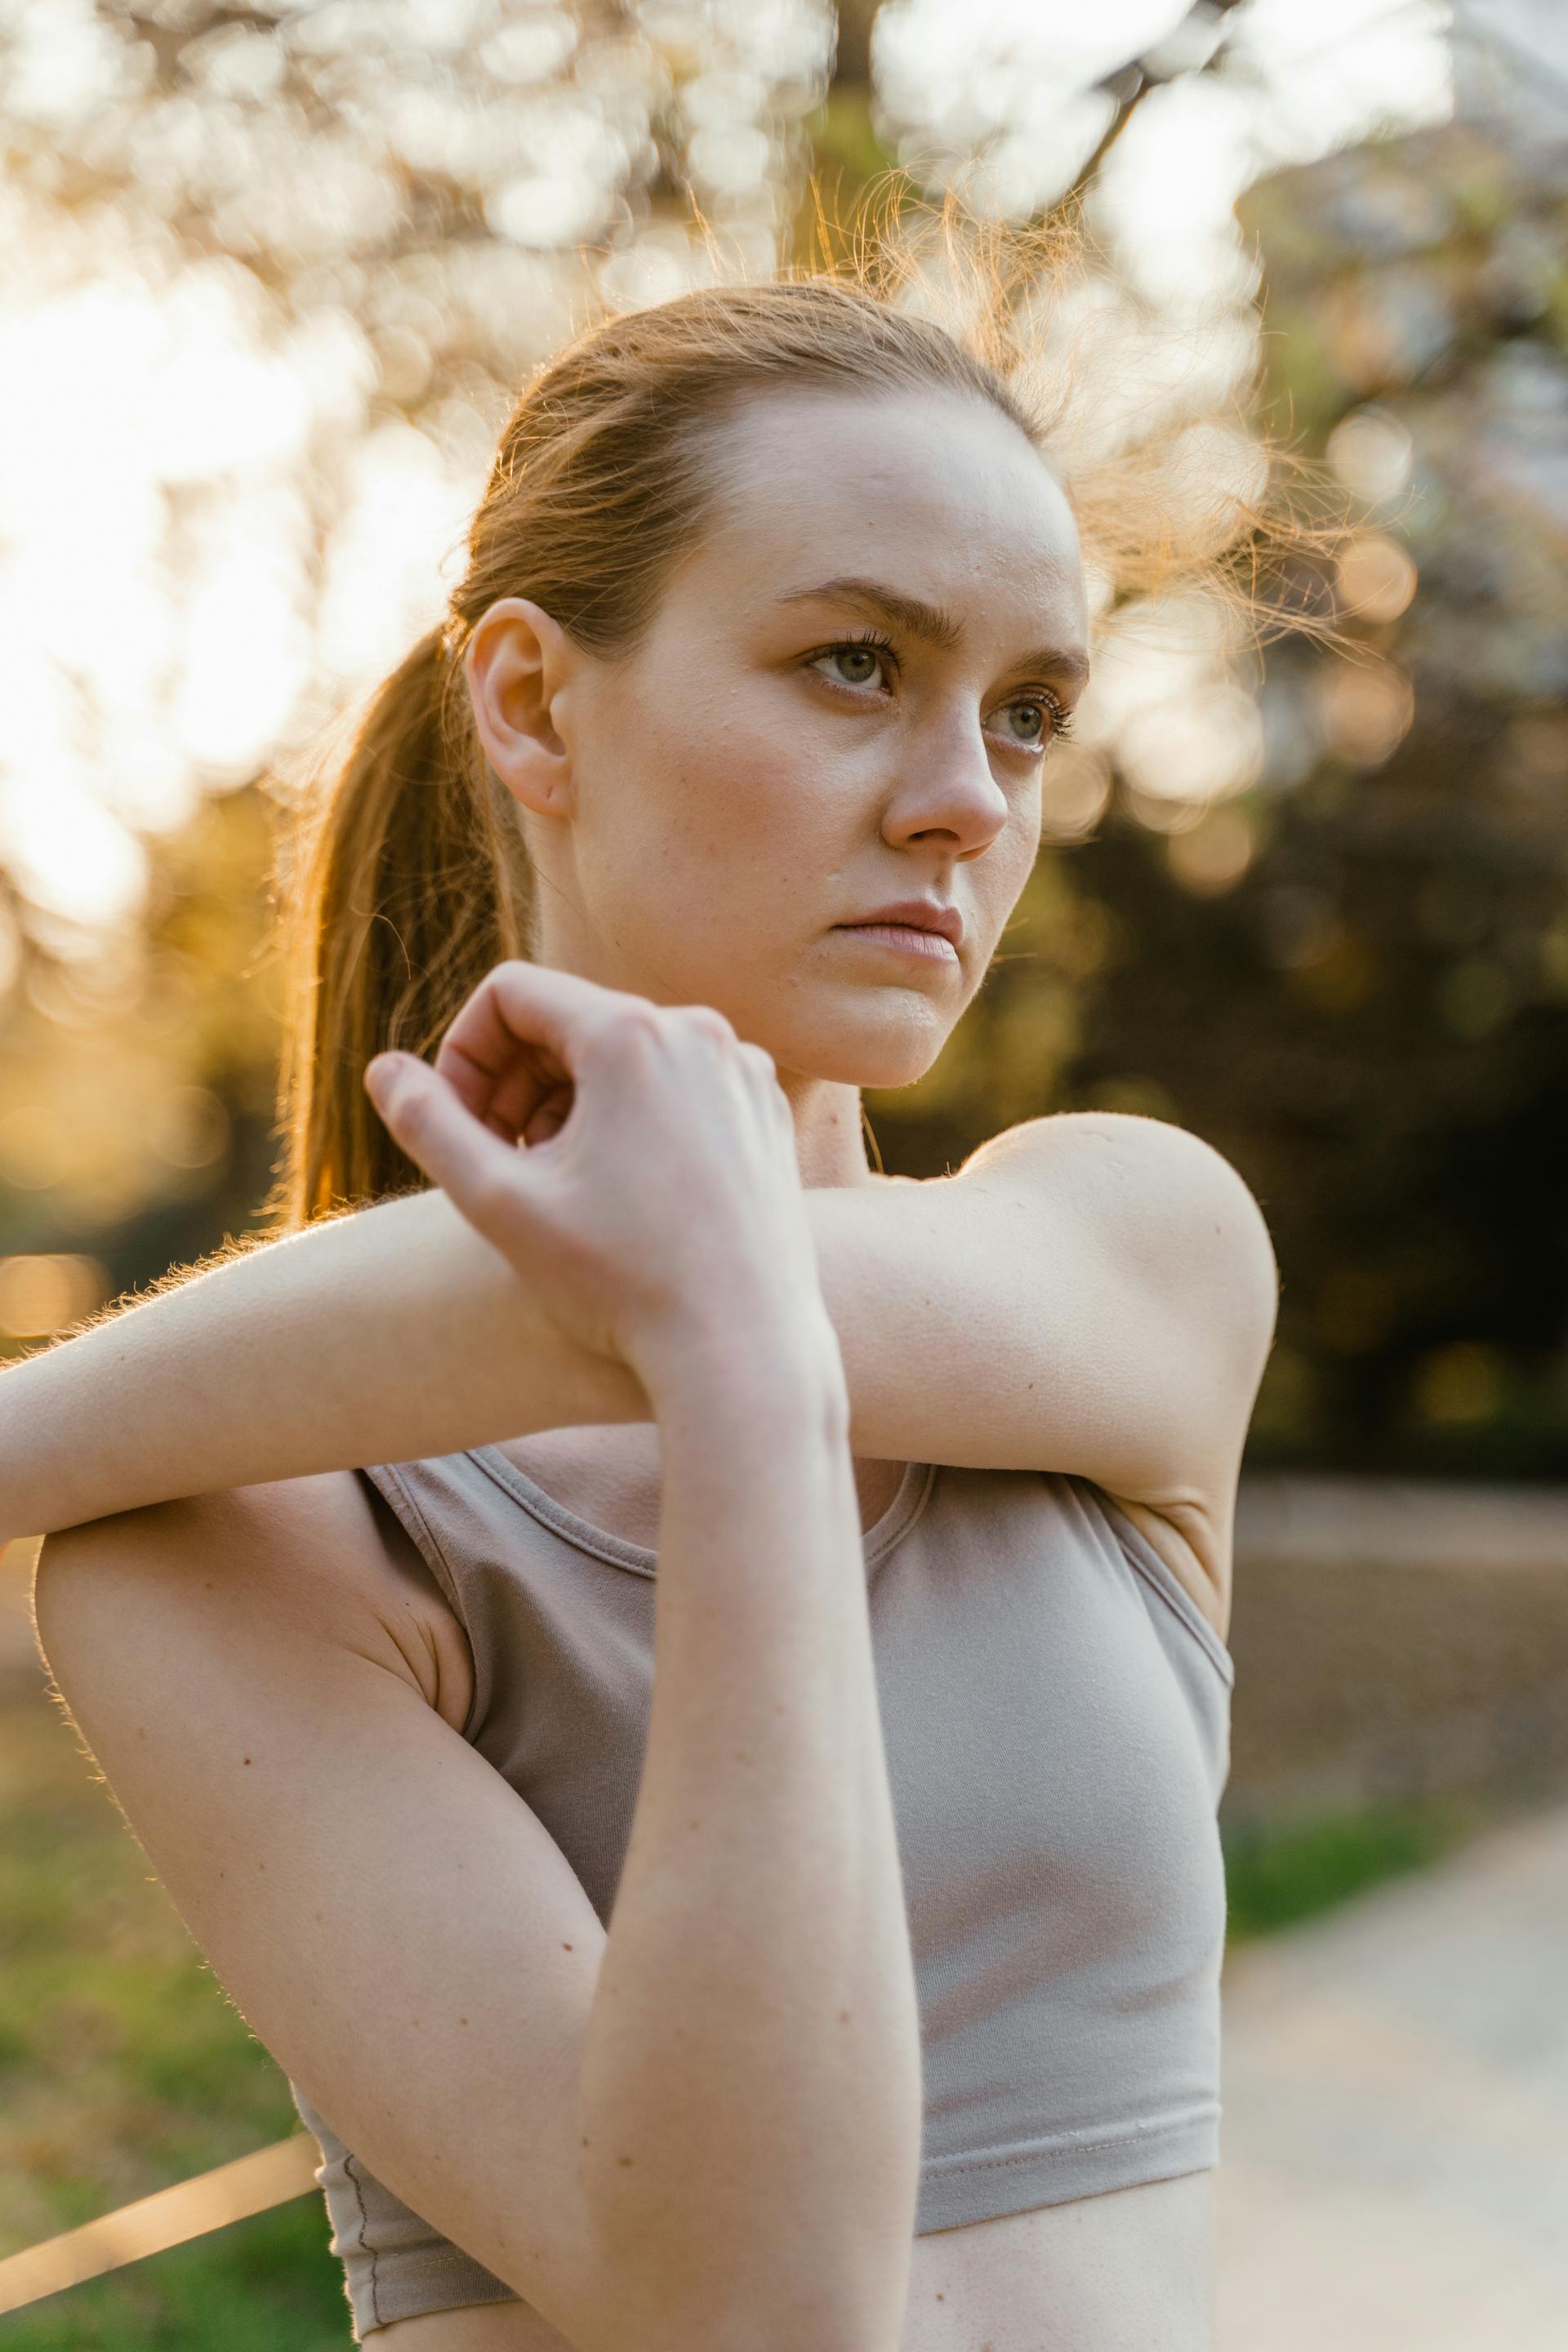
[893, 1045]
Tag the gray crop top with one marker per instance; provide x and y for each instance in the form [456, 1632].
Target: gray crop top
[1056, 1718]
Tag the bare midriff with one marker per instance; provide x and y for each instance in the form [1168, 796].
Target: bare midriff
[1130, 2271]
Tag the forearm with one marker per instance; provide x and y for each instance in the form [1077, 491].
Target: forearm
[397, 1332]
[382, 1336]
[751, 2090]
[388, 1335]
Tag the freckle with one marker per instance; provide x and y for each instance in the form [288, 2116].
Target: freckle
[844, 2017]
[568, 1947]
[248, 1760]
[942, 2298]
[462, 2020]
[318, 1914]
[624, 2160]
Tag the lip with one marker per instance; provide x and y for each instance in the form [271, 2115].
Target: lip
[915, 915]
[905, 940]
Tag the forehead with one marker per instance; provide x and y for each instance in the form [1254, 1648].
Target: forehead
[937, 489]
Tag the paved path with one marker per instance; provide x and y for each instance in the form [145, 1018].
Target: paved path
[1395, 2145]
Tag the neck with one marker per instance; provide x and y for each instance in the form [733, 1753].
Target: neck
[830, 1143]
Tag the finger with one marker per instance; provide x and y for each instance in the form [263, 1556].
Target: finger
[547, 1118]
[480, 1173]
[551, 1015]
[501, 1071]
[504, 1096]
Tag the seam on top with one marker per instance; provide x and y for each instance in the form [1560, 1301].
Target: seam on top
[542, 1506]
[423, 1533]
[417, 1525]
[1158, 1573]
[906, 1507]
[349, 2163]
[902, 1520]
[1071, 2143]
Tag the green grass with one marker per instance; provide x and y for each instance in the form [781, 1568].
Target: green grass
[1278, 1876]
[124, 2068]
[263, 2285]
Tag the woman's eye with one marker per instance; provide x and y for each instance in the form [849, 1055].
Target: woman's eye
[863, 661]
[1041, 720]
[1046, 720]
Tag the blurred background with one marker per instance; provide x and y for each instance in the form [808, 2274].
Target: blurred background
[271, 276]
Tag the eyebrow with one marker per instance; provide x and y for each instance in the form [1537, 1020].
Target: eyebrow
[931, 621]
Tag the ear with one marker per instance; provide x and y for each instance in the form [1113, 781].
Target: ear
[518, 664]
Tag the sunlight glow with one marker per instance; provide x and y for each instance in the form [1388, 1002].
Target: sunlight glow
[222, 523]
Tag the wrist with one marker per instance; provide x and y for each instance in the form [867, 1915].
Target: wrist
[769, 1355]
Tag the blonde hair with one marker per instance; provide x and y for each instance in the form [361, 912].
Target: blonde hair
[406, 877]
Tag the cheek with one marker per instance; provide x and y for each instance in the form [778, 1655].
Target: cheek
[997, 880]
[732, 783]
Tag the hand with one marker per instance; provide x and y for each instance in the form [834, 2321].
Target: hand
[635, 1161]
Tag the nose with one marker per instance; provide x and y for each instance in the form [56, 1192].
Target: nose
[944, 785]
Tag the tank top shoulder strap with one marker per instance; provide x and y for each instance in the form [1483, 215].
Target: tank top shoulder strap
[1156, 1573]
[441, 1503]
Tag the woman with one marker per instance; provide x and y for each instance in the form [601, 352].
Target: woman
[903, 2031]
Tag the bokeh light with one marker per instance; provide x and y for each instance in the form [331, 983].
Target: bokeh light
[1372, 453]
[1376, 578]
[1365, 710]
[42, 1294]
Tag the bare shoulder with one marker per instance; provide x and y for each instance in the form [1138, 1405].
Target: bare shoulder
[1166, 1195]
[1191, 1280]
[326, 1548]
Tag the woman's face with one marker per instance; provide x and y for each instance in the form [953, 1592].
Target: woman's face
[726, 799]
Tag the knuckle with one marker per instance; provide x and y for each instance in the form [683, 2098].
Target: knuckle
[707, 1021]
[502, 978]
[633, 1025]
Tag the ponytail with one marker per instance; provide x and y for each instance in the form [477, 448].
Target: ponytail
[405, 882]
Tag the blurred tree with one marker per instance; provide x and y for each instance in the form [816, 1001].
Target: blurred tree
[847, 148]
[1351, 977]
[1314, 908]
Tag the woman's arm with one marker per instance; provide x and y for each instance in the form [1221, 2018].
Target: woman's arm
[379, 1335]
[1091, 1292]
[698, 2132]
